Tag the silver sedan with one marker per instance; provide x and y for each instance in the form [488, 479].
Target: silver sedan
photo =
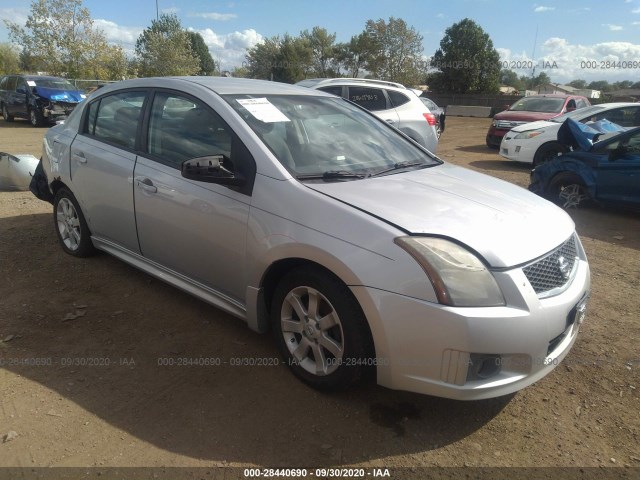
[306, 215]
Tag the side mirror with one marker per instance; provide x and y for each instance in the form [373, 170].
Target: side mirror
[21, 90]
[211, 169]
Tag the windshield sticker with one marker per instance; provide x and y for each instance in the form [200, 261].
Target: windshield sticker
[31, 83]
[263, 110]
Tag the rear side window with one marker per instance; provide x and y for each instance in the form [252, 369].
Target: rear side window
[3, 83]
[11, 83]
[370, 98]
[333, 90]
[114, 118]
[397, 98]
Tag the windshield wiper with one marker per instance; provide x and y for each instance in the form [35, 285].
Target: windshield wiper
[400, 165]
[333, 174]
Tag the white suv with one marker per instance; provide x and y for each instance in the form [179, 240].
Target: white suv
[392, 102]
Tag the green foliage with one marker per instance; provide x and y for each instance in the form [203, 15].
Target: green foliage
[466, 60]
[395, 51]
[200, 49]
[354, 55]
[164, 49]
[323, 51]
[510, 79]
[581, 84]
[9, 59]
[59, 38]
[262, 58]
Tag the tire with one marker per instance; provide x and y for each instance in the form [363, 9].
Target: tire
[547, 152]
[568, 190]
[320, 330]
[71, 227]
[36, 118]
[5, 114]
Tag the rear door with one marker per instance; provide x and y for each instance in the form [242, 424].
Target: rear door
[103, 156]
[374, 100]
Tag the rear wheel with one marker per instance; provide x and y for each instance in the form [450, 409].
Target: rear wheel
[5, 114]
[320, 329]
[568, 190]
[547, 152]
[71, 227]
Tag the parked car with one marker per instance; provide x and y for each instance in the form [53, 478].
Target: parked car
[531, 109]
[393, 102]
[438, 112]
[39, 99]
[606, 171]
[537, 143]
[16, 171]
[300, 212]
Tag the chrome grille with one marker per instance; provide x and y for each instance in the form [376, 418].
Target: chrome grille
[554, 270]
[508, 123]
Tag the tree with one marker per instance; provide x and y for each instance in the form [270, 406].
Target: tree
[601, 85]
[467, 60]
[58, 38]
[510, 79]
[579, 84]
[201, 51]
[396, 51]
[262, 58]
[9, 59]
[294, 61]
[354, 55]
[164, 49]
[323, 51]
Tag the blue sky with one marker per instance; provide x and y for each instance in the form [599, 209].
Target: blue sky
[574, 38]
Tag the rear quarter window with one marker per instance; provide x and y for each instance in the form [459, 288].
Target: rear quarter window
[397, 98]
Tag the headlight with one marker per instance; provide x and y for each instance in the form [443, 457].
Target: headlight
[459, 277]
[494, 123]
[529, 134]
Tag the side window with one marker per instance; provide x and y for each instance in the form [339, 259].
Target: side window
[114, 118]
[571, 104]
[3, 83]
[370, 98]
[333, 90]
[11, 84]
[582, 103]
[181, 128]
[397, 98]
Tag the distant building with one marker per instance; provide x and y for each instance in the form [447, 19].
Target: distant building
[506, 90]
[624, 95]
[552, 88]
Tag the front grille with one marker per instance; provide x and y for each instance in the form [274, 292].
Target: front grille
[554, 269]
[508, 124]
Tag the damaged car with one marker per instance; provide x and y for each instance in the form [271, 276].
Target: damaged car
[306, 215]
[16, 171]
[39, 99]
[602, 165]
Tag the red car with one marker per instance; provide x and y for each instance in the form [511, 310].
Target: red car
[531, 109]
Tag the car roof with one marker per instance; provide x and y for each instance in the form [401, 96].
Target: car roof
[219, 85]
[315, 82]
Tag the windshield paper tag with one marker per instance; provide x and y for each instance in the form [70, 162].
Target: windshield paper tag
[31, 83]
[263, 110]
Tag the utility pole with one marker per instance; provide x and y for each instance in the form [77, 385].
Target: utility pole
[157, 15]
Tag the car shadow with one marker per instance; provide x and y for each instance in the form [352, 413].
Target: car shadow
[185, 377]
[478, 149]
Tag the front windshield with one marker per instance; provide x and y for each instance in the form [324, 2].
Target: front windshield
[538, 104]
[318, 135]
[55, 83]
[578, 114]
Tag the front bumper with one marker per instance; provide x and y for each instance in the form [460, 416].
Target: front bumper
[435, 349]
[517, 151]
[495, 135]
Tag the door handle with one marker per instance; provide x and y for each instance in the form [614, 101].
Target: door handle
[390, 121]
[146, 184]
[79, 156]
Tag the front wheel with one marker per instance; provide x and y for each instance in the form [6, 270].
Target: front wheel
[321, 330]
[71, 227]
[36, 118]
[568, 191]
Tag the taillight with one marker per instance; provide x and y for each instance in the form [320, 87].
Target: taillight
[431, 118]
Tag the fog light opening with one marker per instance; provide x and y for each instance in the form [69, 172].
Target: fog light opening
[483, 366]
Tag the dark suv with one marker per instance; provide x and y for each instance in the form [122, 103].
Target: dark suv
[37, 98]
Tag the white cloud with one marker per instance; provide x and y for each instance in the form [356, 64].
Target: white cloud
[440, 15]
[170, 10]
[14, 15]
[222, 17]
[564, 61]
[612, 27]
[229, 49]
[541, 9]
[635, 10]
[125, 36]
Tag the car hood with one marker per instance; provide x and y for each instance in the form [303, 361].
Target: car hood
[56, 95]
[504, 223]
[525, 116]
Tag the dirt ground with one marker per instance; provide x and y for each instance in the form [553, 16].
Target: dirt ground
[91, 391]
